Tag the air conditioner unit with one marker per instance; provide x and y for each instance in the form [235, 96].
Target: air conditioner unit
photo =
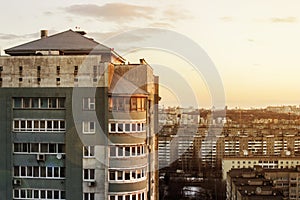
[17, 182]
[40, 157]
[91, 183]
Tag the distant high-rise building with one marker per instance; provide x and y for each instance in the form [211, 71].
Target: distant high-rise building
[76, 122]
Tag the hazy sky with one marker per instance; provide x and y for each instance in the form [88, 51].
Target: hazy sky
[254, 44]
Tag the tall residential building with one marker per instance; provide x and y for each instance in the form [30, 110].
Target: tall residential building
[76, 122]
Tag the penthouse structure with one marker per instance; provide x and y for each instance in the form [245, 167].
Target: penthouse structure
[76, 122]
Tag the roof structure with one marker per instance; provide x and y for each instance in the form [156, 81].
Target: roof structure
[122, 86]
[66, 43]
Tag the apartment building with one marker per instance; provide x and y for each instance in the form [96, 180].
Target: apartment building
[76, 122]
[260, 183]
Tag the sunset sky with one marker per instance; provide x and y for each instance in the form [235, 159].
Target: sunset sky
[254, 44]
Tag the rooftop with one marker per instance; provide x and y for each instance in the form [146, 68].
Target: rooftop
[65, 43]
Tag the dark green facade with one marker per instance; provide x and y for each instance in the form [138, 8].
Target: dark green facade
[72, 160]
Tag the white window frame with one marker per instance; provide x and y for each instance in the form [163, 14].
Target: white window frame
[90, 102]
[133, 151]
[141, 194]
[134, 126]
[90, 150]
[133, 174]
[86, 127]
[89, 194]
[31, 191]
[40, 168]
[31, 128]
[89, 178]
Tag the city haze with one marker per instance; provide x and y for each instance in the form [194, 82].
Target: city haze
[253, 44]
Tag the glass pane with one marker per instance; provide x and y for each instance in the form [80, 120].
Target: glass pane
[43, 193]
[43, 171]
[92, 174]
[34, 147]
[127, 127]
[92, 150]
[36, 172]
[120, 127]
[35, 102]
[52, 148]
[36, 194]
[127, 151]
[16, 124]
[112, 151]
[120, 175]
[16, 171]
[85, 103]
[113, 127]
[61, 102]
[29, 171]
[42, 125]
[62, 172]
[133, 104]
[62, 125]
[61, 148]
[49, 194]
[55, 125]
[52, 103]
[44, 102]
[56, 194]
[17, 102]
[112, 175]
[56, 172]
[120, 151]
[49, 172]
[26, 102]
[44, 148]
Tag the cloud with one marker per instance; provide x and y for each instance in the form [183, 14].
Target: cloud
[284, 20]
[161, 25]
[9, 36]
[175, 14]
[227, 19]
[111, 11]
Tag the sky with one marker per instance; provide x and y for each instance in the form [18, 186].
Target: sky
[254, 45]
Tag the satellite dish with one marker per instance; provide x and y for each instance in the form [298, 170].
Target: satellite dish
[288, 153]
[258, 190]
[59, 156]
[245, 152]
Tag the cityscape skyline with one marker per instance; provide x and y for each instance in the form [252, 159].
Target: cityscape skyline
[254, 52]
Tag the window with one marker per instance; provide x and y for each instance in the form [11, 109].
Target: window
[127, 104]
[89, 196]
[127, 175]
[89, 174]
[39, 172]
[113, 151]
[38, 125]
[89, 151]
[39, 103]
[44, 148]
[127, 151]
[128, 126]
[88, 127]
[38, 194]
[88, 103]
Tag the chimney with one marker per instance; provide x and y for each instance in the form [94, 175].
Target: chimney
[44, 34]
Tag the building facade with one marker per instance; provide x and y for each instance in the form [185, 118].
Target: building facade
[76, 122]
[259, 183]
